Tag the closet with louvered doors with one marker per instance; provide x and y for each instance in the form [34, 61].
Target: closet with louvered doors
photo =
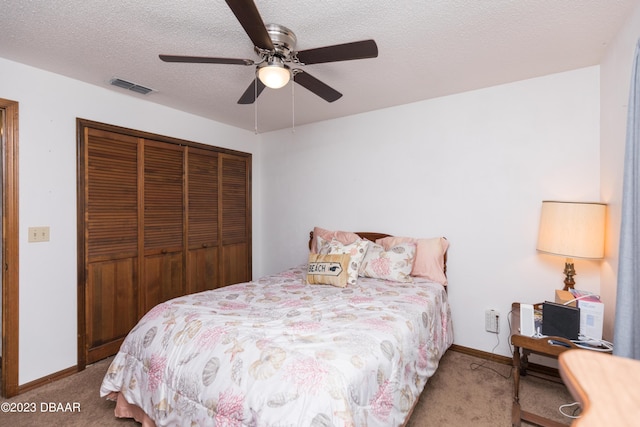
[157, 218]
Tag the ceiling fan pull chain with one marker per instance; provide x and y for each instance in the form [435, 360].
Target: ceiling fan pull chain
[255, 104]
[293, 107]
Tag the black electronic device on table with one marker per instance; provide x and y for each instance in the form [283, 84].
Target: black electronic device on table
[560, 320]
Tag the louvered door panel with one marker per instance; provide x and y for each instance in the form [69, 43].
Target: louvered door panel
[111, 240]
[235, 221]
[163, 222]
[203, 198]
[163, 197]
[234, 180]
[202, 178]
[112, 196]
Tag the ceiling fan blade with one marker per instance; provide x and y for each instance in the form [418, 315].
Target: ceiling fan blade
[339, 52]
[249, 95]
[324, 91]
[250, 19]
[205, 60]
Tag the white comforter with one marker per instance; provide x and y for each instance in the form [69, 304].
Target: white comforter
[280, 352]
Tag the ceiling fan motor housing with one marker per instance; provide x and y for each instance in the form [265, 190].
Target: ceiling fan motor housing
[284, 40]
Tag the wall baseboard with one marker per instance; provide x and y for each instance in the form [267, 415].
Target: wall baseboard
[532, 367]
[48, 379]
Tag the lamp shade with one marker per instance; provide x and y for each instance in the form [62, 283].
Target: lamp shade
[572, 229]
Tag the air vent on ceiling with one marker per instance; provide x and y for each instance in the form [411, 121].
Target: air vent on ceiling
[131, 86]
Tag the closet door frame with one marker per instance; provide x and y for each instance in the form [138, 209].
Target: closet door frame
[10, 252]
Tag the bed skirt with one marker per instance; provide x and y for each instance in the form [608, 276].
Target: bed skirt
[125, 409]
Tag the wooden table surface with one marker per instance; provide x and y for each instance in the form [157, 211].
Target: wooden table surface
[608, 387]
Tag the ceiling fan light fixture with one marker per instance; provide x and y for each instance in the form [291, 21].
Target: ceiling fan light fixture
[274, 73]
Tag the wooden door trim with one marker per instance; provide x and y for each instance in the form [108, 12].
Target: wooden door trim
[83, 123]
[81, 173]
[10, 257]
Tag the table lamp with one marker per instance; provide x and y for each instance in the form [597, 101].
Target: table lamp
[573, 230]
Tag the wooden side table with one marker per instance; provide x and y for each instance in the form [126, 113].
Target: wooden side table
[522, 347]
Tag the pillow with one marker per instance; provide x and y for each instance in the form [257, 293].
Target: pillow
[356, 250]
[328, 270]
[394, 264]
[429, 261]
[344, 237]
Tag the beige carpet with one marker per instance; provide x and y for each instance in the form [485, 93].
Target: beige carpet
[459, 394]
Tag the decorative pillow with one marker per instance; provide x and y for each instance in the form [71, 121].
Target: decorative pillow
[394, 264]
[344, 237]
[356, 250]
[328, 270]
[429, 261]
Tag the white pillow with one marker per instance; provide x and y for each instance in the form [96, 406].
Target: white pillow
[393, 264]
[356, 250]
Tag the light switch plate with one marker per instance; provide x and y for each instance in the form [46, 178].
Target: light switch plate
[38, 234]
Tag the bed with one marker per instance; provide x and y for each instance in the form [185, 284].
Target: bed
[280, 351]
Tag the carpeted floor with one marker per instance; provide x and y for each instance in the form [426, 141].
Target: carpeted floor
[467, 391]
[459, 394]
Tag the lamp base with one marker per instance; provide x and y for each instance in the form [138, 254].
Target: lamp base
[569, 272]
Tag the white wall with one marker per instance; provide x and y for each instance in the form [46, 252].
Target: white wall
[615, 83]
[48, 107]
[473, 167]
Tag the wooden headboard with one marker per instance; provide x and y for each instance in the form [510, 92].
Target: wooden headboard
[364, 234]
[372, 236]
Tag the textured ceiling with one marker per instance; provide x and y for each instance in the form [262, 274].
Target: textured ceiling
[426, 48]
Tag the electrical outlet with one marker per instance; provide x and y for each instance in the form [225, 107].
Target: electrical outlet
[492, 321]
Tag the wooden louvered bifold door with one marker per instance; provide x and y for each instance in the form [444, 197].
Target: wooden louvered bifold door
[111, 240]
[158, 218]
[235, 221]
[202, 184]
[163, 222]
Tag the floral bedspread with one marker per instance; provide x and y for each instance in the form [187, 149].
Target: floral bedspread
[280, 352]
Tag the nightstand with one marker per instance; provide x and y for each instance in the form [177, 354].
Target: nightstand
[522, 347]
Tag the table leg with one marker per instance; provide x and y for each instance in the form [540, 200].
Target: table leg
[515, 411]
[524, 362]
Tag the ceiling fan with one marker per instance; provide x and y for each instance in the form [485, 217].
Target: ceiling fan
[275, 45]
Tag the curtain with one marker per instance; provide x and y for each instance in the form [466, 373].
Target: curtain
[626, 337]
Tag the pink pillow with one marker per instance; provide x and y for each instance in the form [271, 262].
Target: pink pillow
[429, 261]
[344, 237]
